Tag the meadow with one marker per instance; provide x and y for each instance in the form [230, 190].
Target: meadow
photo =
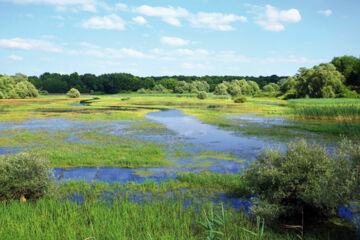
[184, 167]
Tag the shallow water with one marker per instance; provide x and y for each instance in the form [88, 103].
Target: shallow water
[208, 136]
[270, 103]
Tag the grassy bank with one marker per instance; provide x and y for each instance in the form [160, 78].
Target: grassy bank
[169, 210]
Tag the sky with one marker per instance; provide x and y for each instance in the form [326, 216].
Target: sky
[176, 37]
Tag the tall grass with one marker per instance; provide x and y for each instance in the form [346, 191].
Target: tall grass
[332, 109]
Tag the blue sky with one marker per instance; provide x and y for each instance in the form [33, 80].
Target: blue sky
[188, 37]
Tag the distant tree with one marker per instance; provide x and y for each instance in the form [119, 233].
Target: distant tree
[348, 66]
[160, 89]
[149, 83]
[201, 86]
[234, 89]
[182, 87]
[311, 82]
[19, 88]
[221, 89]
[169, 83]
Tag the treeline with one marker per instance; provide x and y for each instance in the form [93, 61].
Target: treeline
[123, 82]
[339, 78]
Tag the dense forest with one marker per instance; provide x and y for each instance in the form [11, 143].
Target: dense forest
[339, 78]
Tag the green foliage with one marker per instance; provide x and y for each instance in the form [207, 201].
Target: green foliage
[327, 92]
[169, 83]
[316, 82]
[202, 95]
[240, 99]
[349, 66]
[143, 91]
[17, 87]
[73, 93]
[24, 174]
[160, 89]
[305, 178]
[221, 89]
[182, 87]
[200, 86]
[25, 89]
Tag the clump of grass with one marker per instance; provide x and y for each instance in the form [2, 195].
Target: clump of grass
[326, 109]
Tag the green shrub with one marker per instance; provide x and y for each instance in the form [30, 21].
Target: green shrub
[240, 99]
[305, 178]
[43, 92]
[160, 89]
[202, 95]
[73, 93]
[24, 174]
[25, 89]
[142, 91]
[2, 96]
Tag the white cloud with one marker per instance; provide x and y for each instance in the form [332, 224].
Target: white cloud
[108, 52]
[174, 41]
[140, 20]
[15, 57]
[61, 5]
[169, 15]
[327, 12]
[173, 16]
[188, 52]
[88, 45]
[217, 21]
[110, 22]
[273, 19]
[120, 6]
[28, 44]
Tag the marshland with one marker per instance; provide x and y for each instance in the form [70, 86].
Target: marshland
[186, 120]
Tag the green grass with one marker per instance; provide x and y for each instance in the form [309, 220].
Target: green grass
[331, 109]
[160, 216]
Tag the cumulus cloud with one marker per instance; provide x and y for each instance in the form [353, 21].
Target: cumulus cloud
[95, 51]
[169, 15]
[111, 22]
[174, 41]
[139, 20]
[217, 21]
[327, 12]
[28, 44]
[173, 16]
[15, 58]
[272, 19]
[120, 6]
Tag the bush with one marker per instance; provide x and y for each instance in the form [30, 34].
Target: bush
[24, 174]
[73, 93]
[160, 89]
[43, 92]
[142, 91]
[305, 178]
[202, 95]
[240, 99]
